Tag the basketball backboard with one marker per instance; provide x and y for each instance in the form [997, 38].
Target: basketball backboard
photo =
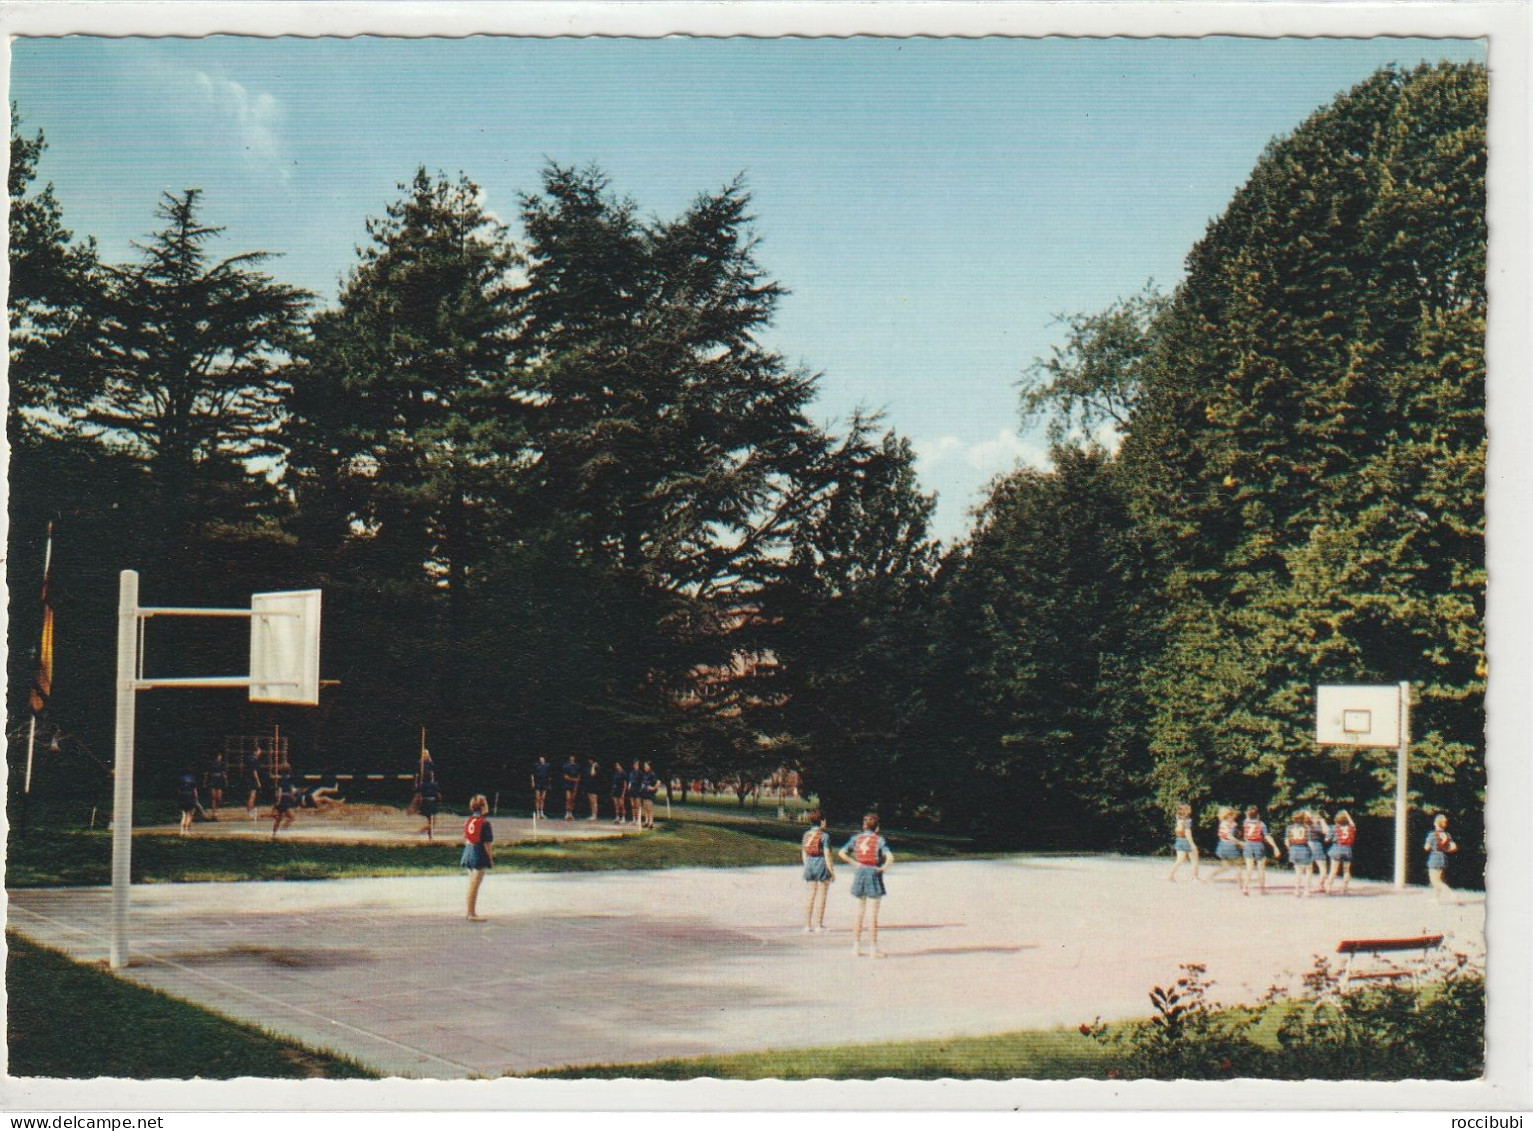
[284, 647]
[1352, 715]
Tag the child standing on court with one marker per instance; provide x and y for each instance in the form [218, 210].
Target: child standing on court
[1298, 851]
[870, 853]
[286, 803]
[1319, 833]
[619, 792]
[477, 860]
[218, 781]
[1254, 833]
[430, 794]
[1343, 836]
[1228, 848]
[1438, 845]
[186, 797]
[1182, 843]
[818, 873]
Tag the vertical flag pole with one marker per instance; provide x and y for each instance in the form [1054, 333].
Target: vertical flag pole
[1402, 768]
[31, 744]
[44, 674]
[122, 767]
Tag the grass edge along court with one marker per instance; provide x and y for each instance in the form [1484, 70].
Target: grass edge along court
[136, 1032]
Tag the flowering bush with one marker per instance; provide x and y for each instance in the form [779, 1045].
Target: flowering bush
[1380, 1032]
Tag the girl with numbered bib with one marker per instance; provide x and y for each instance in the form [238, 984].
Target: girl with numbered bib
[1343, 837]
[818, 873]
[1298, 851]
[1253, 832]
[477, 838]
[870, 853]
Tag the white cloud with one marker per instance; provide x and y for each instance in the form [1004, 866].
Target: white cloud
[1000, 453]
[257, 116]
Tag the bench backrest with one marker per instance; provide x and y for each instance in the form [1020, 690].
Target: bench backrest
[1380, 946]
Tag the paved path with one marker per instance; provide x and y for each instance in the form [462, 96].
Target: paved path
[632, 966]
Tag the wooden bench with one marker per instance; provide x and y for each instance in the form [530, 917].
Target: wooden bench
[1376, 949]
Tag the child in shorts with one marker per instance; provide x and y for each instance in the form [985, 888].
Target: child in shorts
[1256, 840]
[1343, 837]
[870, 853]
[818, 872]
[1438, 845]
[1298, 851]
[1182, 843]
[477, 859]
[1227, 850]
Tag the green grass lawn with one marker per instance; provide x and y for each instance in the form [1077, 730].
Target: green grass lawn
[68, 1020]
[75, 856]
[1041, 1054]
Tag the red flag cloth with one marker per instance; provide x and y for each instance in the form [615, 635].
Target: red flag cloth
[42, 683]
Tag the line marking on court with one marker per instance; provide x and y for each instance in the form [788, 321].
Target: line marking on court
[266, 997]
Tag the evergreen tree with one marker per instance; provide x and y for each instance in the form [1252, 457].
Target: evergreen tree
[189, 371]
[670, 448]
[848, 626]
[406, 446]
[52, 301]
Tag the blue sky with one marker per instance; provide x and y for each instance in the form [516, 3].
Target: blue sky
[932, 204]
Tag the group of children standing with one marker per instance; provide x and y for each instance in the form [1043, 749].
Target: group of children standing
[868, 852]
[632, 790]
[1319, 851]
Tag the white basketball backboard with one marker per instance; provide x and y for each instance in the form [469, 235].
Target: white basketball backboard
[1352, 715]
[284, 647]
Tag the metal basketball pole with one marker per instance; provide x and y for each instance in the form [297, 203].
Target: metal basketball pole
[122, 766]
[130, 681]
[1402, 794]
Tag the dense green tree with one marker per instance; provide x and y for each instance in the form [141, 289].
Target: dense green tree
[1309, 450]
[52, 300]
[189, 371]
[670, 448]
[848, 623]
[1041, 636]
[406, 433]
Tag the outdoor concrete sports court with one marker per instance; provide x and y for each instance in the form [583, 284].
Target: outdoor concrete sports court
[632, 966]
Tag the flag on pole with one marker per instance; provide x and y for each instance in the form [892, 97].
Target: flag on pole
[42, 681]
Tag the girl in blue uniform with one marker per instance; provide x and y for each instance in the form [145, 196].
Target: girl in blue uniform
[218, 781]
[1438, 845]
[1182, 842]
[430, 803]
[592, 783]
[1319, 833]
[1298, 851]
[870, 853]
[818, 872]
[253, 762]
[1253, 832]
[636, 794]
[541, 771]
[619, 792]
[570, 771]
[1227, 850]
[477, 860]
[286, 804]
[1343, 836]
[649, 785]
[186, 797]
